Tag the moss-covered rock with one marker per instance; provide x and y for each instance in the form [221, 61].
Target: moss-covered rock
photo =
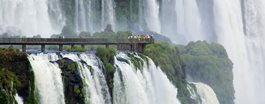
[209, 63]
[16, 76]
[107, 55]
[72, 81]
[136, 60]
[168, 58]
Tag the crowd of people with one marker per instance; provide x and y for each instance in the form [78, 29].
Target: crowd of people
[135, 38]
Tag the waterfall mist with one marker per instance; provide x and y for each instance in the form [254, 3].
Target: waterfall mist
[236, 24]
[29, 17]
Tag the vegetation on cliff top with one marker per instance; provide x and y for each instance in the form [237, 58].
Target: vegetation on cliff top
[16, 76]
[72, 81]
[106, 55]
[168, 58]
[209, 63]
[201, 62]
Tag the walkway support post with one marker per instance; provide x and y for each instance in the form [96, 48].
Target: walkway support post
[72, 46]
[60, 47]
[24, 48]
[83, 46]
[107, 45]
[42, 48]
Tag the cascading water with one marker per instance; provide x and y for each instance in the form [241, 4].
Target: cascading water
[151, 11]
[93, 77]
[254, 23]
[242, 51]
[147, 86]
[26, 17]
[80, 15]
[205, 93]
[238, 26]
[86, 18]
[19, 100]
[188, 20]
[108, 13]
[48, 79]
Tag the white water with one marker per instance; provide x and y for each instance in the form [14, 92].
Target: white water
[254, 15]
[108, 14]
[181, 20]
[149, 86]
[86, 18]
[26, 17]
[151, 11]
[19, 100]
[95, 83]
[48, 79]
[81, 19]
[206, 94]
[188, 20]
[239, 27]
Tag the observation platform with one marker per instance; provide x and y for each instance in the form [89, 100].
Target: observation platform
[130, 45]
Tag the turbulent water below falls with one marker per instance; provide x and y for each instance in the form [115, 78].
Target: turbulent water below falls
[131, 86]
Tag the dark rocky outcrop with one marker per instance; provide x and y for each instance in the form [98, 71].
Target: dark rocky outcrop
[16, 76]
[73, 84]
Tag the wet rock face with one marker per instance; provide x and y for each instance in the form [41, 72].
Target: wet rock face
[73, 85]
[16, 76]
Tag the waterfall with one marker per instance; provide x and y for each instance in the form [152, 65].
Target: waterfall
[19, 100]
[48, 79]
[188, 20]
[206, 94]
[244, 49]
[151, 11]
[147, 86]
[86, 18]
[95, 83]
[108, 13]
[254, 22]
[26, 17]
[80, 13]
[236, 24]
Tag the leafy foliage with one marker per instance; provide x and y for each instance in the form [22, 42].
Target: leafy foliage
[73, 84]
[106, 55]
[16, 76]
[76, 49]
[168, 58]
[209, 63]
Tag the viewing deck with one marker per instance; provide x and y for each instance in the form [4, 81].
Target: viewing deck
[136, 45]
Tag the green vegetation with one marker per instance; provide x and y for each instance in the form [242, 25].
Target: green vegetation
[73, 84]
[106, 55]
[197, 62]
[16, 76]
[201, 62]
[9, 83]
[168, 58]
[209, 63]
[137, 61]
[68, 32]
[76, 49]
